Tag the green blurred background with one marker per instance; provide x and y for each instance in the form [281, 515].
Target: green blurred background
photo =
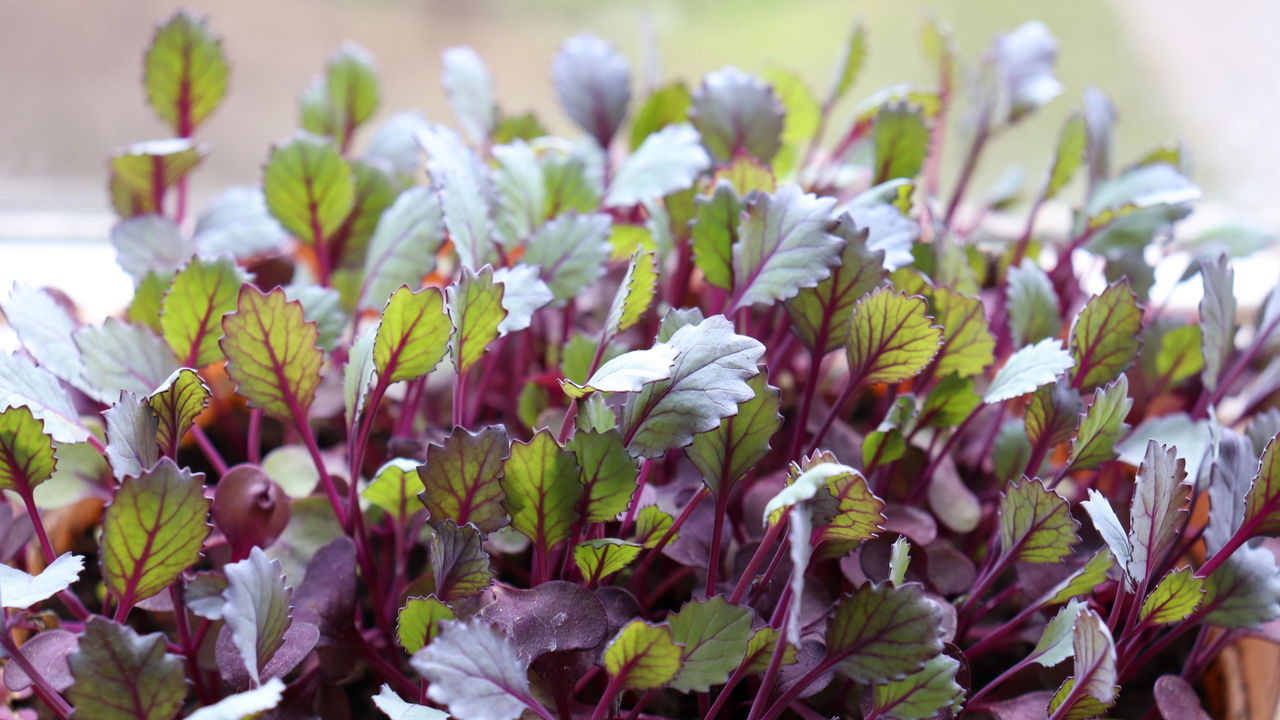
[70, 78]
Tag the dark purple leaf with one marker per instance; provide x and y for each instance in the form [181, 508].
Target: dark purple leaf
[327, 594]
[47, 653]
[299, 640]
[554, 616]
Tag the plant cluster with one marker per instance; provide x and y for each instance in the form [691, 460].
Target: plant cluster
[700, 416]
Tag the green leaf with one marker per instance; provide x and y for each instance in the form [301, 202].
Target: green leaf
[1028, 369]
[715, 233]
[345, 97]
[1057, 639]
[706, 385]
[667, 161]
[1092, 688]
[1217, 318]
[1068, 156]
[396, 708]
[736, 112]
[394, 487]
[571, 250]
[1101, 427]
[727, 453]
[760, 651]
[375, 191]
[132, 428]
[271, 353]
[185, 72]
[20, 590]
[1177, 596]
[668, 105]
[643, 655]
[522, 192]
[418, 622]
[899, 560]
[1179, 355]
[598, 559]
[1032, 304]
[257, 609]
[783, 246]
[635, 294]
[1052, 415]
[968, 346]
[475, 671]
[523, 294]
[119, 356]
[1262, 503]
[629, 372]
[593, 82]
[144, 308]
[413, 335]
[475, 306]
[1243, 592]
[470, 90]
[1106, 336]
[574, 181]
[147, 169]
[901, 142]
[1035, 523]
[153, 530]
[920, 695]
[463, 477]
[853, 57]
[714, 636]
[24, 384]
[821, 314]
[1159, 497]
[1081, 582]
[890, 338]
[1127, 211]
[950, 401]
[26, 452]
[540, 480]
[121, 676]
[881, 632]
[608, 473]
[847, 512]
[45, 329]
[309, 187]
[191, 312]
[652, 522]
[459, 564]
[463, 184]
[404, 245]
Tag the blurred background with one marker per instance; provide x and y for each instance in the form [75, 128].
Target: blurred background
[71, 91]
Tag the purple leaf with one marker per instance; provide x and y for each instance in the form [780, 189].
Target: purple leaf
[327, 594]
[47, 653]
[1177, 700]
[553, 616]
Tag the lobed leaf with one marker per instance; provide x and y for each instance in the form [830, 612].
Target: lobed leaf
[309, 187]
[706, 385]
[1176, 596]
[475, 306]
[727, 453]
[890, 338]
[418, 622]
[1028, 369]
[412, 336]
[598, 559]
[540, 480]
[881, 632]
[271, 353]
[191, 312]
[642, 656]
[714, 636]
[122, 676]
[782, 246]
[462, 478]
[1106, 336]
[1036, 523]
[667, 161]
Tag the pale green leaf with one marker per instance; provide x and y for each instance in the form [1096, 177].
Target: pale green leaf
[881, 632]
[1177, 596]
[119, 356]
[132, 428]
[540, 480]
[403, 248]
[1032, 304]
[412, 336]
[635, 294]
[667, 161]
[599, 559]
[968, 346]
[257, 609]
[643, 655]
[1028, 369]
[418, 622]
[271, 353]
[667, 105]
[820, 315]
[920, 695]
[309, 187]
[608, 472]
[475, 306]
[1106, 336]
[191, 312]
[901, 142]
[714, 636]
[727, 453]
[469, 86]
[26, 452]
[185, 72]
[571, 251]
[395, 487]
[891, 338]
[1102, 426]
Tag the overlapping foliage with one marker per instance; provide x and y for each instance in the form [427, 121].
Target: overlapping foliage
[694, 412]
